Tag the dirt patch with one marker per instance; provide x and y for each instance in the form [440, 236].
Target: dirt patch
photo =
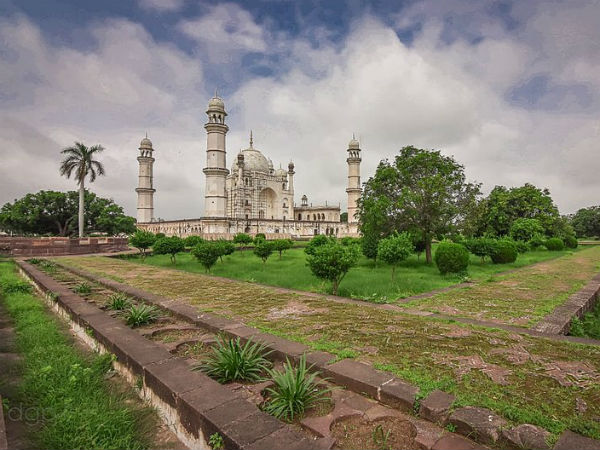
[464, 364]
[292, 310]
[356, 433]
[170, 336]
[573, 373]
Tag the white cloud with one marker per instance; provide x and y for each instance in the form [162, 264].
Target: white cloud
[162, 5]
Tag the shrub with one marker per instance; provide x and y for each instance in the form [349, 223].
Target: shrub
[223, 248]
[554, 244]
[242, 239]
[281, 245]
[83, 288]
[504, 251]
[525, 229]
[192, 241]
[570, 241]
[141, 315]
[314, 243]
[206, 253]
[160, 235]
[332, 262]
[536, 242]
[14, 286]
[451, 258]
[295, 390]
[481, 246]
[260, 237]
[232, 361]
[394, 249]
[348, 240]
[522, 246]
[169, 246]
[263, 250]
[142, 240]
[118, 302]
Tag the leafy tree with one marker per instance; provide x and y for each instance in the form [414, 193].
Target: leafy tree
[142, 240]
[481, 246]
[395, 249]
[281, 245]
[332, 262]
[260, 237]
[369, 244]
[242, 239]
[224, 248]
[586, 222]
[55, 213]
[344, 217]
[169, 246]
[421, 191]
[263, 250]
[419, 244]
[79, 160]
[504, 206]
[525, 229]
[315, 242]
[192, 241]
[206, 253]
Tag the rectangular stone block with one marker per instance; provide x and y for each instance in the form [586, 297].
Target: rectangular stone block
[398, 394]
[192, 405]
[171, 378]
[284, 438]
[252, 428]
[357, 377]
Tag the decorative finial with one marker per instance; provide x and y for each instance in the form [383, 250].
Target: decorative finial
[251, 140]
[146, 135]
[216, 92]
[353, 136]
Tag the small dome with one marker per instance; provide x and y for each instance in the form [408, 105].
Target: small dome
[353, 143]
[146, 143]
[280, 173]
[216, 103]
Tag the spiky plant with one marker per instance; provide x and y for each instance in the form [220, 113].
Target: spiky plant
[118, 301]
[296, 389]
[83, 288]
[140, 315]
[230, 360]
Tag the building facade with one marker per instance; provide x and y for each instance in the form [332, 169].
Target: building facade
[251, 197]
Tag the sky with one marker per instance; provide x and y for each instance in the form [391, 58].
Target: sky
[510, 89]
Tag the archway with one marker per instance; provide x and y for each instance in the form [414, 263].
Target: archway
[268, 200]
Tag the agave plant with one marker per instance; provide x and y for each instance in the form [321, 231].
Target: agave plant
[83, 288]
[296, 390]
[140, 315]
[118, 302]
[231, 360]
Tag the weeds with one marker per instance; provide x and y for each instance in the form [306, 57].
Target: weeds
[83, 288]
[118, 302]
[216, 441]
[140, 315]
[381, 438]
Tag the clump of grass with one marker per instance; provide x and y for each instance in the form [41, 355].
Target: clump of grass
[588, 326]
[216, 441]
[296, 389]
[231, 360]
[14, 286]
[34, 261]
[83, 288]
[118, 301]
[140, 315]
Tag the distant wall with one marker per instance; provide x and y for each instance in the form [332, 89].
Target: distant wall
[56, 246]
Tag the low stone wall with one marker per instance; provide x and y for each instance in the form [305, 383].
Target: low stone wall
[57, 246]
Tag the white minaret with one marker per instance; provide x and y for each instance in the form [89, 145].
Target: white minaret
[215, 196]
[145, 190]
[353, 189]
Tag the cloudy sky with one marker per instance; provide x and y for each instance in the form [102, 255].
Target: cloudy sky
[511, 89]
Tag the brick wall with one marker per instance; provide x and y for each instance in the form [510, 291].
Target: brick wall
[55, 246]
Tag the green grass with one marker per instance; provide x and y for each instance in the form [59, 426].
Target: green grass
[367, 281]
[588, 326]
[65, 387]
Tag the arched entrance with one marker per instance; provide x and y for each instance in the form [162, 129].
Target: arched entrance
[268, 203]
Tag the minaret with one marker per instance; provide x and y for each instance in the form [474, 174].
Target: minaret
[290, 186]
[215, 196]
[145, 191]
[353, 189]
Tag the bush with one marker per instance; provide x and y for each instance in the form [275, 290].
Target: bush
[263, 250]
[536, 242]
[504, 251]
[242, 239]
[481, 246]
[206, 253]
[525, 229]
[394, 249]
[192, 241]
[160, 235]
[369, 244]
[570, 241]
[295, 390]
[223, 248]
[314, 243]
[522, 246]
[281, 245]
[347, 240]
[140, 315]
[232, 361]
[169, 246]
[451, 258]
[332, 262]
[554, 244]
[143, 240]
[260, 237]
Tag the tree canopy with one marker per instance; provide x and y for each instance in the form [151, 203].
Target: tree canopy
[55, 213]
[586, 221]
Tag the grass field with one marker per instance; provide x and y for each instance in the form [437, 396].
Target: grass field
[80, 409]
[367, 281]
[525, 379]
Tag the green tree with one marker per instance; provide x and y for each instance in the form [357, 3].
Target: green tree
[281, 245]
[344, 217]
[224, 248]
[586, 222]
[79, 161]
[315, 242]
[142, 240]
[369, 244]
[395, 249]
[193, 240]
[263, 250]
[242, 239]
[169, 246]
[421, 191]
[206, 253]
[332, 262]
[481, 246]
[525, 229]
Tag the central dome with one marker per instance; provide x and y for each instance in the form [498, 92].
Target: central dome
[255, 161]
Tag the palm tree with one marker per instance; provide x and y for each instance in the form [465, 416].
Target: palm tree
[80, 159]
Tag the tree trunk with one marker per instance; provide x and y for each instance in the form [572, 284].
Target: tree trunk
[81, 207]
[428, 258]
[393, 272]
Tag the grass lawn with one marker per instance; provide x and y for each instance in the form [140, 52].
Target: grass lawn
[589, 325]
[525, 379]
[367, 281]
[80, 409]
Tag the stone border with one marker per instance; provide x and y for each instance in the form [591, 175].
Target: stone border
[480, 424]
[3, 438]
[582, 301]
[55, 246]
[193, 405]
